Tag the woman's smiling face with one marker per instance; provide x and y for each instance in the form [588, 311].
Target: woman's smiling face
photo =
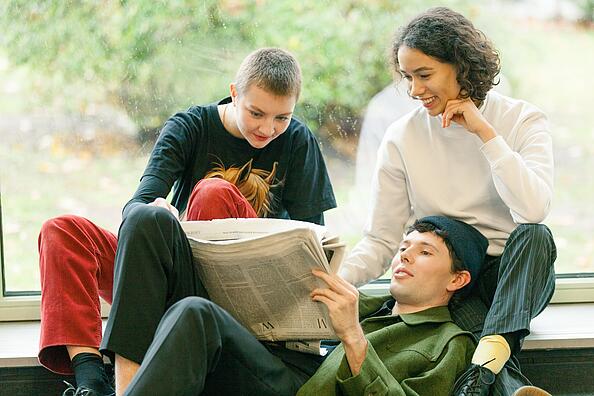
[432, 82]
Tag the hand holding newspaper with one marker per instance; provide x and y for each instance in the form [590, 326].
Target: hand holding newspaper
[259, 270]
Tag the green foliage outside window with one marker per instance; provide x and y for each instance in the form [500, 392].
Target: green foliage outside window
[149, 59]
[154, 57]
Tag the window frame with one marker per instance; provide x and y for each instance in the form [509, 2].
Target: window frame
[22, 307]
[25, 305]
[17, 307]
[569, 288]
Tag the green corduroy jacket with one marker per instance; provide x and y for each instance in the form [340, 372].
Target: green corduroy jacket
[421, 354]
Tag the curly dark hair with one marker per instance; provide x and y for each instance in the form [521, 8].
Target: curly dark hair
[451, 38]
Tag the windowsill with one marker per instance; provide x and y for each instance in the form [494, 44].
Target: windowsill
[563, 326]
[560, 326]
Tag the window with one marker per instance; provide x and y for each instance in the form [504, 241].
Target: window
[81, 103]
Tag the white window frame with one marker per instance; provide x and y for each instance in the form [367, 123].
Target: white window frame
[21, 308]
[569, 288]
[24, 305]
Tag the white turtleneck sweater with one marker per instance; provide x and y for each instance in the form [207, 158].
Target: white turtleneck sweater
[424, 169]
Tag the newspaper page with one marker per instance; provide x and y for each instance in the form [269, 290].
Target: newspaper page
[259, 270]
[231, 229]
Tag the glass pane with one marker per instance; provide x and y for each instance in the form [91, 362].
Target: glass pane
[55, 173]
[81, 100]
[548, 63]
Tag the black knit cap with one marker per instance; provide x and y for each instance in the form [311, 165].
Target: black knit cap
[468, 243]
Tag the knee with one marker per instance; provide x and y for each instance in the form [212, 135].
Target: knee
[57, 236]
[540, 238]
[217, 199]
[536, 229]
[201, 320]
[59, 226]
[212, 184]
[146, 217]
[538, 233]
[192, 303]
[207, 190]
[193, 307]
[58, 231]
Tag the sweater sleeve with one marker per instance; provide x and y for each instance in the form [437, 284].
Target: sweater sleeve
[436, 378]
[523, 173]
[391, 209]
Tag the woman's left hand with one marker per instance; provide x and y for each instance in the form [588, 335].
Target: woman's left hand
[465, 113]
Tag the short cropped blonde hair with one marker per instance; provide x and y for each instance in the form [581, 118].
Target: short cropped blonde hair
[272, 69]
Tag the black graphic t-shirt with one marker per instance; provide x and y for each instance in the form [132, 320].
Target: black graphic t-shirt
[193, 142]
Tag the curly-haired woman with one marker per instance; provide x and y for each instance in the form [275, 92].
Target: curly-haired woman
[477, 156]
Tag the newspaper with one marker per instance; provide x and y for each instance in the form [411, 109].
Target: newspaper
[259, 270]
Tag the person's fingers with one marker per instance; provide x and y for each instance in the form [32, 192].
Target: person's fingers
[324, 300]
[174, 210]
[159, 202]
[340, 295]
[349, 286]
[162, 203]
[446, 118]
[335, 282]
[445, 122]
[330, 294]
[453, 112]
[323, 276]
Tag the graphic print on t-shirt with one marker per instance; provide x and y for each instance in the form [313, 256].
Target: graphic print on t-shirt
[253, 183]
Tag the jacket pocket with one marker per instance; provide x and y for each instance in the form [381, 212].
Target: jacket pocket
[376, 388]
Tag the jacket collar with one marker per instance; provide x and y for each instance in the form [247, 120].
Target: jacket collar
[430, 315]
[370, 304]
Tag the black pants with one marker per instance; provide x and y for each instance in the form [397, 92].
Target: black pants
[153, 270]
[512, 289]
[199, 349]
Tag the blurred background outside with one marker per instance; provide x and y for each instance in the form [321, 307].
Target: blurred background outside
[85, 87]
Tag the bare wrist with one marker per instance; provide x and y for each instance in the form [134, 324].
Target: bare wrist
[355, 351]
[355, 340]
[487, 134]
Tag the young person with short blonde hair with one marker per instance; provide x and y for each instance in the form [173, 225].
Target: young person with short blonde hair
[277, 160]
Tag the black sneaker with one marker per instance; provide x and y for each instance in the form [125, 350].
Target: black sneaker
[82, 391]
[476, 381]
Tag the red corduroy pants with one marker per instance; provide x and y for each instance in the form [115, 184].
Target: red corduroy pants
[76, 260]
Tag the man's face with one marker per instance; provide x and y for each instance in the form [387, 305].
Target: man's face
[422, 271]
[261, 116]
